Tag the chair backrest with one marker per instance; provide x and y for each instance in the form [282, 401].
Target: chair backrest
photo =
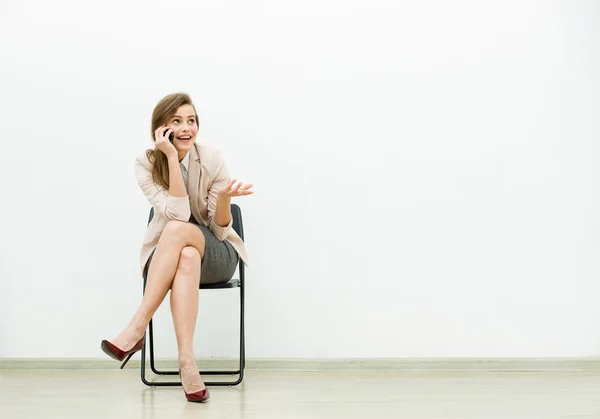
[238, 226]
[236, 214]
[151, 215]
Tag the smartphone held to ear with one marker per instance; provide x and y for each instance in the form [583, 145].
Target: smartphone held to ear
[171, 136]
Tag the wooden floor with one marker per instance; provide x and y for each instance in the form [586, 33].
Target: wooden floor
[114, 394]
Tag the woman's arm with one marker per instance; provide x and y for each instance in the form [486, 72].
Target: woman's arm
[176, 185]
[219, 199]
[171, 207]
[219, 211]
[223, 211]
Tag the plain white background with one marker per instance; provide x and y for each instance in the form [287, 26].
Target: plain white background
[426, 176]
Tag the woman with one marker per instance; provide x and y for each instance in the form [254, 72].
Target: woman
[190, 238]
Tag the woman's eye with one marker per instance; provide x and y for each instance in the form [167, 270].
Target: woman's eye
[176, 120]
[192, 121]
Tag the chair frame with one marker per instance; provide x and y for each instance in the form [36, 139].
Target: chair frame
[232, 284]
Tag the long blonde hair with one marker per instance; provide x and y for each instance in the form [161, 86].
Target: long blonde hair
[163, 111]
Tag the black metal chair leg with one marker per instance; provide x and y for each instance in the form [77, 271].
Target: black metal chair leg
[143, 365]
[239, 372]
[152, 364]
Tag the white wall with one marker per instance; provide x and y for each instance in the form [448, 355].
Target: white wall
[426, 172]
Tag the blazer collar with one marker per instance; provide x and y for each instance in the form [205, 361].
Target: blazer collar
[186, 161]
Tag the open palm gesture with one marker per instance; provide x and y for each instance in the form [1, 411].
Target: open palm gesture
[232, 189]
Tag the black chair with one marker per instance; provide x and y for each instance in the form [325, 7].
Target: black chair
[232, 284]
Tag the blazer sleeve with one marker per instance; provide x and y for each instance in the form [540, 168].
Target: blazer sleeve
[220, 181]
[171, 207]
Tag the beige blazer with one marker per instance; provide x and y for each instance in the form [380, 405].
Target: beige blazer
[207, 174]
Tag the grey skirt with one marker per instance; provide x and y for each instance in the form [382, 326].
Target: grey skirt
[220, 258]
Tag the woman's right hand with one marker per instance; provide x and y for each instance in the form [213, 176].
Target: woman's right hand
[162, 142]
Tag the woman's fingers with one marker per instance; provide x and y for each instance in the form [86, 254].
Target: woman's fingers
[239, 189]
[245, 190]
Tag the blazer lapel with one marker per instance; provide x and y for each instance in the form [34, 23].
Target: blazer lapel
[194, 173]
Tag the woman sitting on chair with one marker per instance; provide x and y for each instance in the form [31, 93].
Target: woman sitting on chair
[190, 239]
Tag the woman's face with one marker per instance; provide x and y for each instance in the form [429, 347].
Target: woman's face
[185, 128]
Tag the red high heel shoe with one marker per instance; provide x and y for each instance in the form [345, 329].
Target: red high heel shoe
[198, 397]
[118, 354]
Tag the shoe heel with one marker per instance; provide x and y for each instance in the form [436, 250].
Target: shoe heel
[120, 355]
[127, 360]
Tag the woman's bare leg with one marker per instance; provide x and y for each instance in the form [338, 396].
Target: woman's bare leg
[175, 236]
[184, 307]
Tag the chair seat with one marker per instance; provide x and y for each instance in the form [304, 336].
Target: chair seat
[234, 283]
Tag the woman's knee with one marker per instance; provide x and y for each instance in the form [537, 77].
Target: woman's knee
[182, 229]
[179, 233]
[189, 259]
[173, 228]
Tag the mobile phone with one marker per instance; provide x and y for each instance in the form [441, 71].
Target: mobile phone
[171, 136]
